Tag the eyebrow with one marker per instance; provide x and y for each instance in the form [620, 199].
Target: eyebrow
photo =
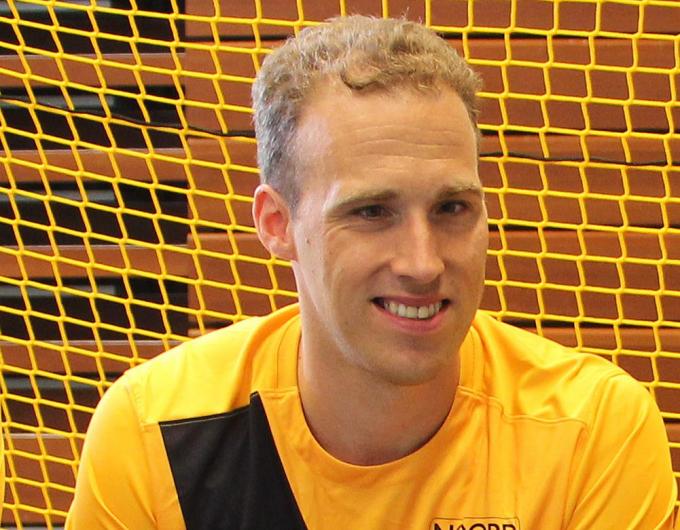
[360, 198]
[452, 191]
[356, 199]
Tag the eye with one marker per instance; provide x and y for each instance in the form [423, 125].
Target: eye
[371, 211]
[452, 207]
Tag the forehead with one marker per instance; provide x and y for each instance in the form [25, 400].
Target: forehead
[334, 106]
[344, 135]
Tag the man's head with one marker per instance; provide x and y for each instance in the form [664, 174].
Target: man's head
[386, 228]
[362, 53]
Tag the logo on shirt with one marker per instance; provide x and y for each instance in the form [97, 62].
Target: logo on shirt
[475, 523]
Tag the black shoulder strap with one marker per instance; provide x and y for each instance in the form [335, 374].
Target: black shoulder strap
[228, 473]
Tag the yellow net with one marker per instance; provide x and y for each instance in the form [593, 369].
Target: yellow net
[127, 164]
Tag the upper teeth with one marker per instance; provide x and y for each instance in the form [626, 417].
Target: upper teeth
[411, 311]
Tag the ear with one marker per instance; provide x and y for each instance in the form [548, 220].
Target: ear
[272, 218]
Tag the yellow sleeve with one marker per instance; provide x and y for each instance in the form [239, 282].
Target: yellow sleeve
[624, 479]
[113, 482]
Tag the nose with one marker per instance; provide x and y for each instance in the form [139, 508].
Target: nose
[418, 254]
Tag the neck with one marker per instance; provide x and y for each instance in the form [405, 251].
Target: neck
[363, 420]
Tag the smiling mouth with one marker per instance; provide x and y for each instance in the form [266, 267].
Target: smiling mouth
[413, 312]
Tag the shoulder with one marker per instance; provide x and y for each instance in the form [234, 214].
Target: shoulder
[211, 374]
[538, 377]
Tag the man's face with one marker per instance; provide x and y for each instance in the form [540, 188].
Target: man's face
[390, 233]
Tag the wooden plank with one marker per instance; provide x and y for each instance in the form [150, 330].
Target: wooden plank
[112, 70]
[673, 431]
[98, 215]
[227, 266]
[57, 404]
[572, 15]
[82, 357]
[166, 165]
[579, 70]
[223, 168]
[36, 464]
[56, 165]
[43, 121]
[659, 247]
[225, 81]
[125, 308]
[563, 294]
[512, 206]
[572, 53]
[584, 279]
[230, 179]
[281, 16]
[636, 196]
[668, 397]
[528, 68]
[494, 15]
[102, 261]
[593, 259]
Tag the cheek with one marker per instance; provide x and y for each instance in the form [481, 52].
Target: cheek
[480, 238]
[322, 265]
[342, 271]
[471, 254]
[481, 244]
[480, 259]
[331, 269]
[331, 249]
[307, 262]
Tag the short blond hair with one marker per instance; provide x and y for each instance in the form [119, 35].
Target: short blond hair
[364, 53]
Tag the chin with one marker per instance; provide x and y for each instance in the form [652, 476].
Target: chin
[413, 373]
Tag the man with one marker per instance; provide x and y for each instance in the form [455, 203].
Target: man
[384, 400]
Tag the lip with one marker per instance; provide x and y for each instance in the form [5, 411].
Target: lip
[410, 325]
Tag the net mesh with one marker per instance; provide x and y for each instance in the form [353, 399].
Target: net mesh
[128, 160]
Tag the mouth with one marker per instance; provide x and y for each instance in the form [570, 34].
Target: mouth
[411, 312]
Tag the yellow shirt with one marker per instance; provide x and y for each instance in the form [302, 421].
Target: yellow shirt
[211, 435]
